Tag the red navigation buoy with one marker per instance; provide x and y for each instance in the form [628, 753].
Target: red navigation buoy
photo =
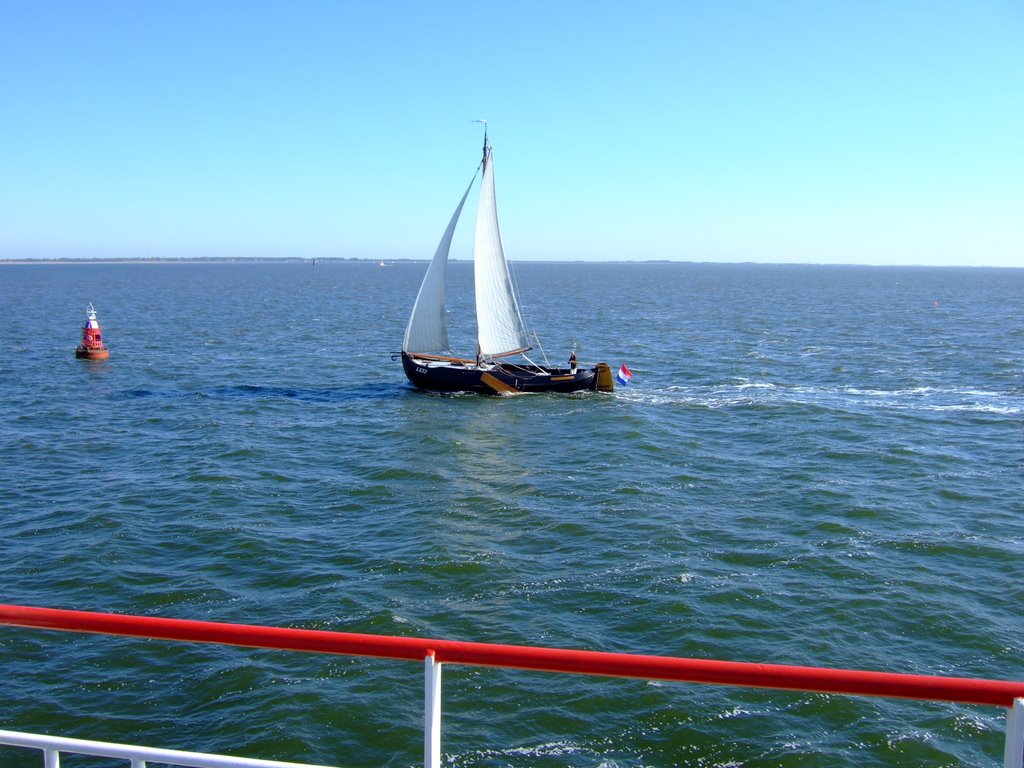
[92, 346]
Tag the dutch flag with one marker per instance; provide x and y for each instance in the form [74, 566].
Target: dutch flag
[624, 374]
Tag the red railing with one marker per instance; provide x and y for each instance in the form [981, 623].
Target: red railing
[814, 679]
[887, 684]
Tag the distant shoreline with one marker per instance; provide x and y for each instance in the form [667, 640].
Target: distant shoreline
[390, 262]
[204, 260]
[302, 260]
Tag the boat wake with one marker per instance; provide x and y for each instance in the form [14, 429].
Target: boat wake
[255, 392]
[740, 393]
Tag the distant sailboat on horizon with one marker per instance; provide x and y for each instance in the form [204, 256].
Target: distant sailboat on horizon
[501, 333]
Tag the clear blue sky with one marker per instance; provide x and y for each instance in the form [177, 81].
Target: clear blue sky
[876, 131]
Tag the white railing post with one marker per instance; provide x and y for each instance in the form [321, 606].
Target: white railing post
[431, 712]
[1013, 756]
[53, 746]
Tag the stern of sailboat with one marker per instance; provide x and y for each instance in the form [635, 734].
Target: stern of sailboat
[536, 379]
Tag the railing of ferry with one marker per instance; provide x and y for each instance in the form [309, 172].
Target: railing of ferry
[435, 653]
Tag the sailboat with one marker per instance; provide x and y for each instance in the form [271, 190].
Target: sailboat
[501, 365]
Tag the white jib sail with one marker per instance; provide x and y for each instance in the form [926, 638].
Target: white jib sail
[428, 326]
[499, 324]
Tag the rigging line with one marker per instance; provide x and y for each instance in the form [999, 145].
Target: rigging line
[513, 273]
[517, 292]
[543, 352]
[535, 364]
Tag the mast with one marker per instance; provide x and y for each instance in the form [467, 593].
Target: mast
[486, 145]
[500, 329]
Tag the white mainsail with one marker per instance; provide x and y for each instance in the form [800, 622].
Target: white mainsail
[500, 329]
[428, 327]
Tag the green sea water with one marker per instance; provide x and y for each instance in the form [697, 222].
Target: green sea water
[812, 465]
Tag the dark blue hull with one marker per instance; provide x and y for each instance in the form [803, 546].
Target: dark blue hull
[504, 378]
